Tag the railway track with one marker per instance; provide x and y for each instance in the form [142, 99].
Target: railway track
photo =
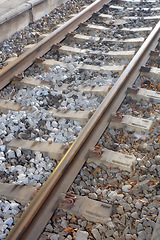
[100, 84]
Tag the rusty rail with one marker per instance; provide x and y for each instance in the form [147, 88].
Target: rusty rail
[34, 219]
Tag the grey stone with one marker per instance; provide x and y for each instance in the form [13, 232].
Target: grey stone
[93, 196]
[2, 236]
[158, 169]
[135, 215]
[69, 237]
[104, 192]
[81, 235]
[139, 227]
[157, 158]
[9, 138]
[142, 177]
[64, 223]
[126, 188]
[84, 223]
[156, 232]
[110, 224]
[101, 228]
[120, 209]
[3, 227]
[153, 167]
[10, 154]
[115, 235]
[156, 146]
[148, 164]
[84, 191]
[112, 195]
[126, 206]
[143, 183]
[96, 234]
[74, 225]
[126, 230]
[53, 236]
[9, 221]
[151, 224]
[148, 230]
[138, 205]
[157, 197]
[2, 148]
[120, 238]
[2, 155]
[101, 180]
[154, 210]
[18, 153]
[136, 190]
[98, 191]
[14, 205]
[49, 228]
[109, 233]
[141, 235]
[129, 236]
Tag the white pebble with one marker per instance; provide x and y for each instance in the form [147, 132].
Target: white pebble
[9, 221]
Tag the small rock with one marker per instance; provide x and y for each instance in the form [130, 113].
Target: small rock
[129, 236]
[141, 235]
[96, 234]
[10, 154]
[139, 227]
[157, 197]
[14, 206]
[53, 236]
[157, 158]
[138, 205]
[9, 221]
[93, 196]
[151, 224]
[3, 227]
[143, 183]
[98, 191]
[18, 153]
[112, 195]
[110, 224]
[85, 191]
[135, 215]
[126, 188]
[116, 235]
[120, 209]
[2, 236]
[74, 225]
[10, 137]
[109, 233]
[153, 167]
[69, 237]
[82, 235]
[84, 223]
[126, 206]
[64, 223]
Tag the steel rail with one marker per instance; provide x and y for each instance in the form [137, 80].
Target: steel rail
[27, 58]
[44, 204]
